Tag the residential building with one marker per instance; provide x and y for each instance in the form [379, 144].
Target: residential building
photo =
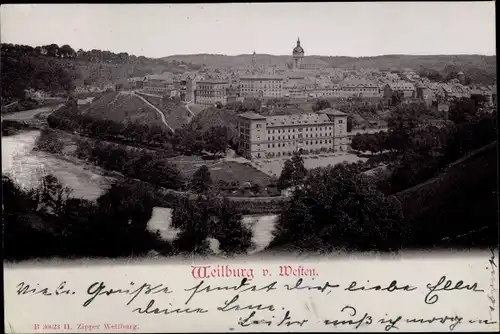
[483, 91]
[209, 92]
[425, 94]
[261, 86]
[274, 136]
[360, 88]
[158, 86]
[180, 86]
[407, 89]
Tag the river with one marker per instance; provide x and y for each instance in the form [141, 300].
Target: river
[27, 166]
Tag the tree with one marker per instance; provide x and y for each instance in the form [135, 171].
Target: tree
[201, 180]
[67, 51]
[293, 172]
[215, 139]
[462, 110]
[52, 50]
[339, 208]
[162, 173]
[255, 188]
[128, 205]
[54, 194]
[228, 229]
[321, 105]
[251, 104]
[193, 219]
[403, 121]
[397, 97]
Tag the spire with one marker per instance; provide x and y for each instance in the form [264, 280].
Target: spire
[298, 41]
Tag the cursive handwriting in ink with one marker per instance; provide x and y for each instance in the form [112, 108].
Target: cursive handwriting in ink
[232, 306]
[242, 287]
[322, 288]
[250, 320]
[366, 319]
[149, 310]
[99, 289]
[287, 321]
[455, 321]
[24, 289]
[391, 323]
[447, 285]
[393, 286]
[491, 295]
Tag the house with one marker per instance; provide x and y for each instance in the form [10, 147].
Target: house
[483, 91]
[425, 94]
[407, 89]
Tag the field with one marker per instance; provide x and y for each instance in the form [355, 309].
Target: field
[273, 167]
[122, 108]
[221, 170]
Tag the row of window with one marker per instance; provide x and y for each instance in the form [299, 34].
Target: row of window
[300, 136]
[312, 142]
[317, 128]
[254, 89]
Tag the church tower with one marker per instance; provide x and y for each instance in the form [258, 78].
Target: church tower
[298, 55]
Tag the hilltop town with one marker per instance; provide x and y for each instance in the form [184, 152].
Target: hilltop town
[260, 137]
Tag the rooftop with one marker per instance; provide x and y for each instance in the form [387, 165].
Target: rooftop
[332, 112]
[251, 115]
[261, 77]
[297, 119]
[213, 81]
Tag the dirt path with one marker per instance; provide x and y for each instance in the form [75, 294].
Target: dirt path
[157, 110]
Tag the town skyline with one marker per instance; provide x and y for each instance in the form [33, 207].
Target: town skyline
[375, 36]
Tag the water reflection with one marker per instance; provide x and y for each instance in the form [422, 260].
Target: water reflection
[27, 167]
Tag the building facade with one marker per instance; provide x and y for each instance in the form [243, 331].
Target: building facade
[360, 89]
[158, 86]
[261, 86]
[406, 89]
[275, 136]
[210, 92]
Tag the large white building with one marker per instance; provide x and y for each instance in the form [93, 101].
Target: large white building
[275, 136]
[261, 86]
[210, 92]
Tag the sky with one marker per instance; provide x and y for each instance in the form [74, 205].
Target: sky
[329, 29]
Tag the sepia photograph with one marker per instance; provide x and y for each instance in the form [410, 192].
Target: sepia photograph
[186, 131]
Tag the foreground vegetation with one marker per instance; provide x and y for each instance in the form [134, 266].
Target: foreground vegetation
[47, 222]
[414, 205]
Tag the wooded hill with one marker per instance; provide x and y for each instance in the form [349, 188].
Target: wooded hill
[57, 69]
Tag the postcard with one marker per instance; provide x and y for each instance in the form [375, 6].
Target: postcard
[249, 167]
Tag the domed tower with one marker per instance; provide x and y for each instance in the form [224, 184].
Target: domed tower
[298, 54]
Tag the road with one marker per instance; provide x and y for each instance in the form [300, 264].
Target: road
[157, 110]
[29, 114]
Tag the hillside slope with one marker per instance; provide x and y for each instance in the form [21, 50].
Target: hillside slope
[463, 196]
